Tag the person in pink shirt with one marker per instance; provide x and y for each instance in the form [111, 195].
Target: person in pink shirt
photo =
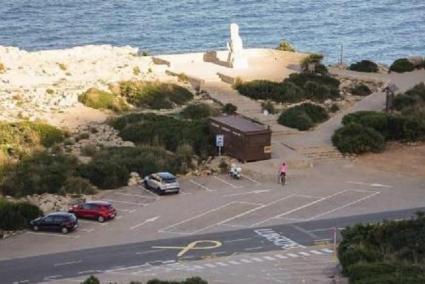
[282, 173]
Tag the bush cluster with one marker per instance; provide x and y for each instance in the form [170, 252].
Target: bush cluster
[229, 109]
[367, 131]
[192, 280]
[43, 172]
[303, 117]
[361, 90]
[364, 66]
[168, 131]
[98, 99]
[285, 46]
[389, 252]
[296, 88]
[197, 111]
[111, 167]
[16, 215]
[412, 98]
[154, 95]
[21, 137]
[402, 65]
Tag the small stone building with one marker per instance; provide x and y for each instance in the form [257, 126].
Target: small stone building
[244, 139]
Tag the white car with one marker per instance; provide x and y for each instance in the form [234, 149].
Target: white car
[162, 182]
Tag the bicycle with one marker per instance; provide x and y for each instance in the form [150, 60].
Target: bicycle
[282, 178]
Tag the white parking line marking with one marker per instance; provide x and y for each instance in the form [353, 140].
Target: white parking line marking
[316, 252]
[67, 263]
[236, 240]
[118, 217]
[54, 235]
[248, 192]
[86, 230]
[254, 248]
[269, 258]
[221, 263]
[295, 209]
[245, 260]
[166, 229]
[251, 179]
[148, 251]
[226, 182]
[327, 250]
[126, 202]
[130, 194]
[304, 253]
[169, 261]
[233, 262]
[256, 259]
[369, 184]
[280, 256]
[210, 265]
[292, 255]
[201, 185]
[89, 271]
[344, 206]
[22, 281]
[51, 277]
[150, 220]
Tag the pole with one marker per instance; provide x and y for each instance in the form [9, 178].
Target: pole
[341, 54]
[219, 150]
[334, 243]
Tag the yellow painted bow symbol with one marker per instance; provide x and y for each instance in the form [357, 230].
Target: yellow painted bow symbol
[196, 245]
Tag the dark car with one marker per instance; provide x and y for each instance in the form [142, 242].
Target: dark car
[162, 182]
[98, 210]
[58, 221]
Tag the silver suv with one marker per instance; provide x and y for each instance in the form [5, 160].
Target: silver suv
[162, 182]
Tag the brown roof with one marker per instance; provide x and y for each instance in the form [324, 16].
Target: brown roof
[240, 123]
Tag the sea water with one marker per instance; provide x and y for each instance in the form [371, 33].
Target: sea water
[381, 30]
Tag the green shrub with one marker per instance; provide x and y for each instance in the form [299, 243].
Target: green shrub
[89, 150]
[372, 119]
[285, 46]
[364, 66]
[388, 252]
[184, 156]
[402, 65]
[98, 99]
[111, 167]
[91, 280]
[358, 139]
[413, 97]
[311, 59]
[197, 111]
[334, 108]
[78, 185]
[16, 216]
[192, 280]
[296, 88]
[268, 106]
[303, 116]
[26, 135]
[229, 109]
[151, 129]
[38, 174]
[154, 95]
[361, 90]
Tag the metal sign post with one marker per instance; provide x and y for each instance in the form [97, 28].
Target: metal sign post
[219, 142]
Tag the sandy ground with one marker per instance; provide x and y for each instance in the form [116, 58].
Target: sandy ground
[398, 158]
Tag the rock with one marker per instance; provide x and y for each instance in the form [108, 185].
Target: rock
[134, 179]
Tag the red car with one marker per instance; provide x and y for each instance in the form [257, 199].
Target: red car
[99, 210]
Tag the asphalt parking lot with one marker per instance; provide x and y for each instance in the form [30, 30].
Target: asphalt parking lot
[220, 203]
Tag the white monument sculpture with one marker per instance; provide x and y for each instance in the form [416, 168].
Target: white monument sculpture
[236, 58]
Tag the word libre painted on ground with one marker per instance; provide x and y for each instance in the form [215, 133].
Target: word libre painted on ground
[197, 245]
[278, 239]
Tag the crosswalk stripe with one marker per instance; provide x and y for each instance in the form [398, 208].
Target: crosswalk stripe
[280, 256]
[327, 250]
[269, 258]
[316, 252]
[221, 263]
[292, 255]
[257, 259]
[245, 260]
[304, 253]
